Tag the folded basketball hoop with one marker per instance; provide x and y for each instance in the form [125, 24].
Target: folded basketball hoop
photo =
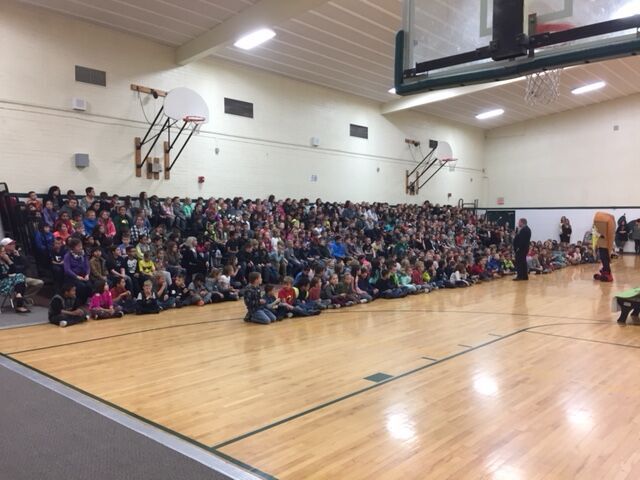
[180, 105]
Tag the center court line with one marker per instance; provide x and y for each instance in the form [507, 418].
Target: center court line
[321, 406]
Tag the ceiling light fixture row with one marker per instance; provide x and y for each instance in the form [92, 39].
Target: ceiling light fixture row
[576, 91]
[255, 38]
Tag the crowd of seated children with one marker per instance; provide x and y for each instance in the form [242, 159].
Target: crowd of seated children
[194, 252]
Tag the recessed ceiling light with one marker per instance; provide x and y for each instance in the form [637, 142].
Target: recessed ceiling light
[253, 39]
[490, 114]
[588, 88]
[392, 91]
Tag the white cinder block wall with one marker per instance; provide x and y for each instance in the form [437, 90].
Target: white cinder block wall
[268, 154]
[570, 159]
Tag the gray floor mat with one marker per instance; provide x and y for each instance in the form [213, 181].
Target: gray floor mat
[44, 435]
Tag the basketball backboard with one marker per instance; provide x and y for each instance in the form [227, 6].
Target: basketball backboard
[460, 42]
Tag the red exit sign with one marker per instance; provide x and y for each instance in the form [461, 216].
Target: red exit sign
[500, 201]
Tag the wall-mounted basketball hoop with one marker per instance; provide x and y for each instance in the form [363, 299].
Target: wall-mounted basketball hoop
[440, 153]
[181, 105]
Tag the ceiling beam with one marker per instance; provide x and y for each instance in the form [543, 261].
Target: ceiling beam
[264, 14]
[420, 99]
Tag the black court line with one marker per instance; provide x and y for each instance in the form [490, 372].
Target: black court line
[465, 346]
[145, 420]
[215, 449]
[637, 347]
[430, 359]
[385, 382]
[494, 335]
[508, 314]
[97, 339]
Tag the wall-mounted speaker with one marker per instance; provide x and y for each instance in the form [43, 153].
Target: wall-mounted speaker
[81, 160]
[79, 104]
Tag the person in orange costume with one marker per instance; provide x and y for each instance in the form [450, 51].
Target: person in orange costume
[604, 227]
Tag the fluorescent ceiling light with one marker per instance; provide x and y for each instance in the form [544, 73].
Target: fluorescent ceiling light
[392, 91]
[627, 10]
[253, 39]
[490, 114]
[588, 88]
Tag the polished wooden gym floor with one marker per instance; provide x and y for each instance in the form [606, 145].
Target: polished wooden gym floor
[505, 380]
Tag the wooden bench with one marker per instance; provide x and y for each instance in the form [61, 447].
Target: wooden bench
[627, 302]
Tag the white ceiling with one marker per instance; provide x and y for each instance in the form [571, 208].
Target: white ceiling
[343, 44]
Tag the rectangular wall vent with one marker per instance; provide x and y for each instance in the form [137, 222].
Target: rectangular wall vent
[238, 107]
[359, 131]
[90, 75]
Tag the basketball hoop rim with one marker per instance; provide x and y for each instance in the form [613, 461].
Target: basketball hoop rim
[553, 27]
[193, 119]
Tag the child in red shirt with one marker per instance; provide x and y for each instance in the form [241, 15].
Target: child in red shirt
[287, 293]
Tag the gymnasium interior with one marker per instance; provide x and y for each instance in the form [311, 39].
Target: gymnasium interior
[311, 239]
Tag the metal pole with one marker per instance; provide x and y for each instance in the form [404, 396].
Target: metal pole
[434, 174]
[178, 155]
[423, 160]
[144, 140]
[177, 136]
[164, 127]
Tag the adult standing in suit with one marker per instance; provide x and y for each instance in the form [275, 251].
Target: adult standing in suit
[521, 247]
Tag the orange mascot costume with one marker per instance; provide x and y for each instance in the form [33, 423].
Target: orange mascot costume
[604, 231]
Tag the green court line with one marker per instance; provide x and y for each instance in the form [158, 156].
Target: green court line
[508, 314]
[588, 339]
[123, 335]
[385, 382]
[215, 449]
[159, 426]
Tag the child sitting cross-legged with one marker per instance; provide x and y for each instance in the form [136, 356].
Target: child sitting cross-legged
[122, 297]
[147, 303]
[494, 266]
[65, 309]
[219, 290]
[276, 305]
[303, 285]
[508, 268]
[101, 305]
[459, 277]
[288, 295]
[146, 266]
[182, 294]
[349, 287]
[257, 311]
[315, 294]
[226, 283]
[197, 285]
[403, 277]
[161, 289]
[332, 293]
[387, 287]
[364, 284]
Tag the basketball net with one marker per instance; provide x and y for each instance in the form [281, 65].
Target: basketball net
[543, 87]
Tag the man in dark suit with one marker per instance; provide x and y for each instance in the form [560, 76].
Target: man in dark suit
[521, 247]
